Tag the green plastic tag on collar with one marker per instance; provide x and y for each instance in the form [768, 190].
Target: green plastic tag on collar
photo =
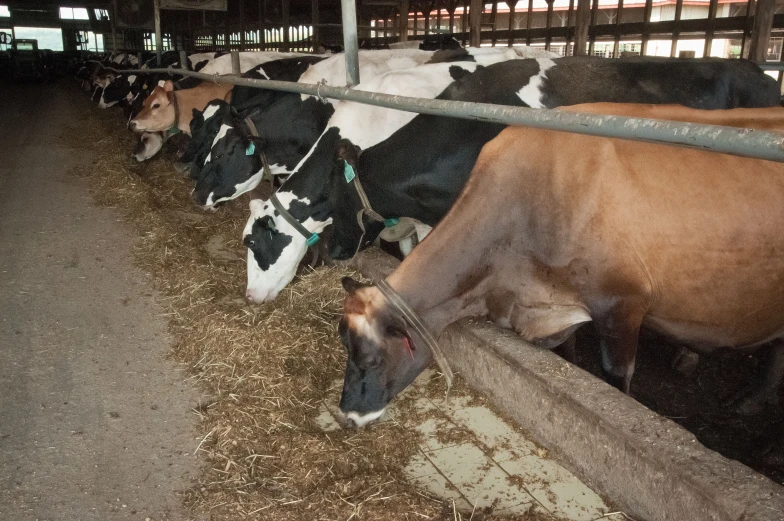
[174, 130]
[389, 223]
[251, 149]
[348, 171]
[313, 239]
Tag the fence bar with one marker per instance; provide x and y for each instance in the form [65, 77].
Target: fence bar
[184, 60]
[403, 22]
[350, 43]
[158, 35]
[235, 63]
[728, 140]
[771, 66]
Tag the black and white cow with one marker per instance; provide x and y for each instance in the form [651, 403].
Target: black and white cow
[130, 90]
[417, 170]
[291, 126]
[196, 60]
[147, 145]
[206, 124]
[221, 64]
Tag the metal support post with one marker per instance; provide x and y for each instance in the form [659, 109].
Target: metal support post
[350, 43]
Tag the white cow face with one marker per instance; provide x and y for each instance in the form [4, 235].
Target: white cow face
[275, 248]
[149, 144]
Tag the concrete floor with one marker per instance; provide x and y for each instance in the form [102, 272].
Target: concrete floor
[474, 458]
[95, 424]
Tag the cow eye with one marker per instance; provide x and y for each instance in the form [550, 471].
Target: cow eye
[395, 330]
[370, 361]
[156, 105]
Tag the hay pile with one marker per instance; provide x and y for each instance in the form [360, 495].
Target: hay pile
[264, 368]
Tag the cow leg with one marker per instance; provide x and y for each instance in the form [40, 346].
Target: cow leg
[766, 390]
[774, 457]
[685, 361]
[619, 331]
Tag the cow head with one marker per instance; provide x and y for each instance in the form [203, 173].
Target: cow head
[204, 127]
[275, 247]
[232, 167]
[384, 355]
[117, 91]
[149, 144]
[103, 78]
[158, 112]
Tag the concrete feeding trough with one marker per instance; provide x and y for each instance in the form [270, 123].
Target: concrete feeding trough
[648, 465]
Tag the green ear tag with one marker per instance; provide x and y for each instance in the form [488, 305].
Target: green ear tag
[348, 171]
[389, 223]
[251, 149]
[313, 239]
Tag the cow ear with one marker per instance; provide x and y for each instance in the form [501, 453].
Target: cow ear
[168, 86]
[351, 285]
[348, 152]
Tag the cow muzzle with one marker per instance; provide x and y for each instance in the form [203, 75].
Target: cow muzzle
[355, 420]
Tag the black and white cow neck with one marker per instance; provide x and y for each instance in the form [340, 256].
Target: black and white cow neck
[287, 130]
[287, 69]
[310, 183]
[204, 127]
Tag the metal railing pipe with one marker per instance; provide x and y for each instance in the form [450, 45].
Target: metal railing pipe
[728, 140]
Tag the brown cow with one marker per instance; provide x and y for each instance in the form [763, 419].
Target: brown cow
[168, 109]
[555, 229]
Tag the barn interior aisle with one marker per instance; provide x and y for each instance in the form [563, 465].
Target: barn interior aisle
[95, 423]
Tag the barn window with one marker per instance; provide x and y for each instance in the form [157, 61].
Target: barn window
[101, 14]
[149, 42]
[73, 13]
[48, 38]
[4, 11]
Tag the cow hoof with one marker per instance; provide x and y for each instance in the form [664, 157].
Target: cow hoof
[775, 456]
[685, 362]
[745, 404]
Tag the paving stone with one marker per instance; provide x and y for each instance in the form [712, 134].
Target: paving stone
[436, 433]
[325, 420]
[557, 489]
[494, 432]
[422, 409]
[478, 478]
[419, 466]
[424, 378]
[455, 403]
[439, 486]
[531, 507]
